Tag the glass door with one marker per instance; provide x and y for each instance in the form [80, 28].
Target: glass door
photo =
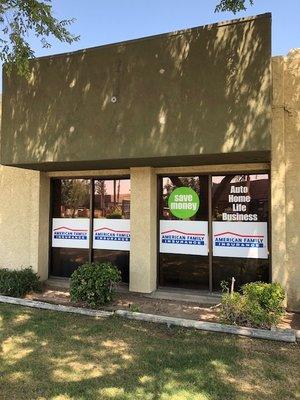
[213, 229]
[240, 213]
[183, 232]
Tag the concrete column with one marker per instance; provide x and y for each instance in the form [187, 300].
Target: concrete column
[285, 169]
[143, 227]
[292, 182]
[39, 237]
[43, 227]
[278, 174]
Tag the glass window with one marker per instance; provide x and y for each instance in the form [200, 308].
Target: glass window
[240, 206]
[71, 221]
[71, 198]
[180, 267]
[112, 199]
[70, 225]
[112, 223]
[64, 261]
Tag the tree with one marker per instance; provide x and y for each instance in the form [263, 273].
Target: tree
[233, 5]
[18, 18]
[75, 194]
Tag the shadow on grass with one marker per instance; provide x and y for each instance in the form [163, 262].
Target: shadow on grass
[53, 355]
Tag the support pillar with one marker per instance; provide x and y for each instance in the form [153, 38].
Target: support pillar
[143, 227]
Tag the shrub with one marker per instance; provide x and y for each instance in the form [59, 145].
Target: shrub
[94, 283]
[232, 309]
[264, 303]
[259, 305]
[17, 283]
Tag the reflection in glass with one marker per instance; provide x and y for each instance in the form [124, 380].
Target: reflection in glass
[66, 261]
[257, 187]
[184, 270]
[197, 183]
[112, 198]
[255, 209]
[71, 198]
[112, 201]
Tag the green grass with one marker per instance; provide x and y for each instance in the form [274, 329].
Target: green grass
[49, 355]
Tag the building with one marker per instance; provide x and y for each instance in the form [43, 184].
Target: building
[174, 156]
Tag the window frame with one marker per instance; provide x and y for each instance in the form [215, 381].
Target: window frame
[92, 180]
[210, 215]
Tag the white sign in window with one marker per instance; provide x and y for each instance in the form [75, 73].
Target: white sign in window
[240, 239]
[184, 237]
[111, 234]
[70, 232]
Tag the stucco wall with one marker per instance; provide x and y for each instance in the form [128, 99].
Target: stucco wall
[18, 199]
[143, 227]
[24, 199]
[195, 93]
[285, 167]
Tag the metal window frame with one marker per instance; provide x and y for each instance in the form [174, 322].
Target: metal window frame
[210, 216]
[92, 180]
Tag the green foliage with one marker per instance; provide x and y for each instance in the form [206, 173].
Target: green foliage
[259, 305]
[75, 194]
[264, 305]
[233, 5]
[94, 283]
[114, 213]
[134, 307]
[17, 283]
[20, 17]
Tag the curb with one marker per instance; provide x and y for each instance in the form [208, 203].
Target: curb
[55, 307]
[283, 335]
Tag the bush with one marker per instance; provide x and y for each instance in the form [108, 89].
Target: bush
[17, 283]
[94, 283]
[260, 305]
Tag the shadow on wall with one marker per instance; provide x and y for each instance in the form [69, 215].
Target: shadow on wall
[195, 92]
[286, 174]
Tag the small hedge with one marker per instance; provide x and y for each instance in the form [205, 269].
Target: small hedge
[94, 283]
[17, 283]
[259, 305]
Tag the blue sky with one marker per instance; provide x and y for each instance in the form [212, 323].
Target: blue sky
[107, 21]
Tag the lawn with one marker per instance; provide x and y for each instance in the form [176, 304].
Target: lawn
[50, 355]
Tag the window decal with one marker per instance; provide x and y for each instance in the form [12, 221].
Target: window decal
[70, 232]
[184, 237]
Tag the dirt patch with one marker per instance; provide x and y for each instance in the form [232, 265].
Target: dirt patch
[140, 303]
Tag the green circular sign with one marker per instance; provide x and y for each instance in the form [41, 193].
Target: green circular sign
[183, 202]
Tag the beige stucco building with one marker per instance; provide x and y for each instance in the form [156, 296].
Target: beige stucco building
[105, 135]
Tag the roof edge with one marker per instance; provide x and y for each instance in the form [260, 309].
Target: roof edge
[166, 34]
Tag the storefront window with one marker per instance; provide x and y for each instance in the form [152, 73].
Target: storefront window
[183, 256]
[72, 220]
[240, 205]
[111, 237]
[70, 225]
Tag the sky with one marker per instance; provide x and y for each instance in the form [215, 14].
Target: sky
[108, 21]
